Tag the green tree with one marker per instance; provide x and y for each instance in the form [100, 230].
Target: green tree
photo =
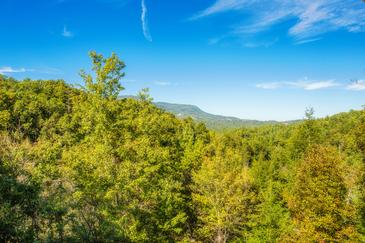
[223, 194]
[306, 134]
[271, 177]
[108, 72]
[318, 201]
[19, 195]
[144, 95]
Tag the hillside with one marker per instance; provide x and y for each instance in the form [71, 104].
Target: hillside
[216, 122]
[212, 121]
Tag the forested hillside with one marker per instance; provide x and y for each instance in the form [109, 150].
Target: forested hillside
[81, 165]
[214, 122]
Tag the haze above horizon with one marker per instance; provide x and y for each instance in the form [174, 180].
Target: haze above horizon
[264, 60]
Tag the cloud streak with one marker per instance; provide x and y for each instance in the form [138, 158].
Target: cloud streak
[306, 41]
[42, 70]
[357, 85]
[145, 27]
[313, 18]
[66, 33]
[300, 84]
[5, 70]
[162, 83]
[221, 6]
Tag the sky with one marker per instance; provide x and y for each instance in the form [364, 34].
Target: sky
[253, 59]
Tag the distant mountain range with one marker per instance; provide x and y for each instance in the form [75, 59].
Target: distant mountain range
[215, 122]
[212, 121]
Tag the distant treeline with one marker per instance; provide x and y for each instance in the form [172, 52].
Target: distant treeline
[82, 165]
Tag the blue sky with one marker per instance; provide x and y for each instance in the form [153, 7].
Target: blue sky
[246, 58]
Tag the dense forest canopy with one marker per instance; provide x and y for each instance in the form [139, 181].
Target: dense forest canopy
[82, 165]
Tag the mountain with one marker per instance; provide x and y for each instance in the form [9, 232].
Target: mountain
[216, 122]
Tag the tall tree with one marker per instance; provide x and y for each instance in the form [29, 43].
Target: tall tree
[19, 194]
[318, 201]
[223, 194]
[306, 134]
[108, 72]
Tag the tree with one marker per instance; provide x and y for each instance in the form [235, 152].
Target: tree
[223, 194]
[19, 195]
[271, 217]
[144, 95]
[108, 72]
[359, 133]
[309, 113]
[306, 134]
[318, 201]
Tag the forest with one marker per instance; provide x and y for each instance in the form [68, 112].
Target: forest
[81, 164]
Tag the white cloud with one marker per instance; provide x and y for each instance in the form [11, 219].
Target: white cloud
[255, 44]
[43, 70]
[67, 33]
[162, 83]
[305, 41]
[145, 28]
[300, 84]
[274, 85]
[48, 70]
[316, 85]
[221, 6]
[313, 17]
[357, 85]
[5, 70]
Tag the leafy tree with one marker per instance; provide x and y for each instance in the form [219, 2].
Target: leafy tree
[359, 133]
[307, 134]
[144, 95]
[319, 202]
[108, 72]
[19, 195]
[271, 217]
[223, 194]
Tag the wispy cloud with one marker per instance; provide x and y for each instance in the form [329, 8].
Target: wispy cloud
[162, 83]
[48, 70]
[255, 44]
[273, 85]
[145, 27]
[317, 85]
[42, 70]
[67, 33]
[306, 41]
[300, 84]
[357, 85]
[313, 17]
[221, 6]
[5, 70]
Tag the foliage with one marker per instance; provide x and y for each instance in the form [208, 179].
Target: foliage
[319, 203]
[85, 165]
[223, 193]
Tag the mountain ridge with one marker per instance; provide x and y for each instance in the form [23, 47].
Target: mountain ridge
[212, 121]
